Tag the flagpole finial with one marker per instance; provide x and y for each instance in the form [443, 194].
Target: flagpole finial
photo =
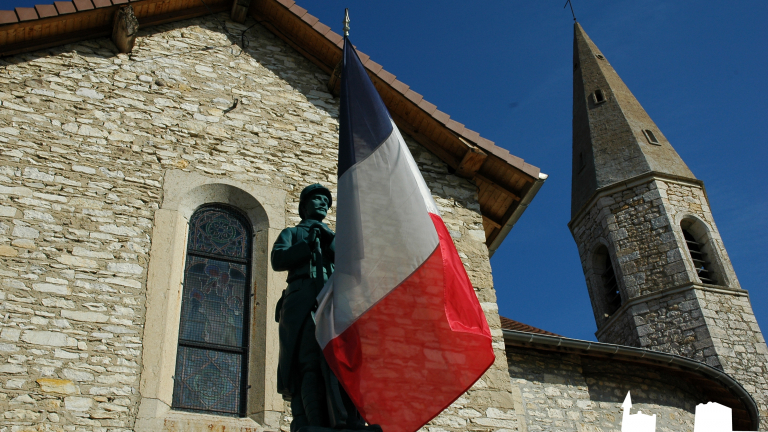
[346, 22]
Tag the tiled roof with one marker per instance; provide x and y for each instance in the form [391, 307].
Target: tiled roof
[510, 324]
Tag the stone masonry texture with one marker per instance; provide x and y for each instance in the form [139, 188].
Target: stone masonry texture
[568, 392]
[86, 136]
[667, 308]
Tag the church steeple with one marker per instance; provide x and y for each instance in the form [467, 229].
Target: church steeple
[614, 139]
[656, 269]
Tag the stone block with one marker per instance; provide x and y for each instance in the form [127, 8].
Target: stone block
[57, 386]
[94, 317]
[44, 338]
[78, 403]
[10, 334]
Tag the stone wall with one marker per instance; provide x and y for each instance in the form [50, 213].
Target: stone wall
[738, 343]
[568, 392]
[665, 305]
[86, 137]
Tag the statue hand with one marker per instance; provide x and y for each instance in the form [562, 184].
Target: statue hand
[326, 235]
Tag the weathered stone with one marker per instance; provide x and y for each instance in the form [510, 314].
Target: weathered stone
[8, 251]
[52, 288]
[85, 316]
[77, 403]
[76, 261]
[125, 268]
[59, 386]
[45, 338]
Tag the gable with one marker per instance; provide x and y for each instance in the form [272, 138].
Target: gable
[506, 184]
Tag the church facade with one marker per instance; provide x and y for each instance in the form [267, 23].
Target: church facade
[109, 161]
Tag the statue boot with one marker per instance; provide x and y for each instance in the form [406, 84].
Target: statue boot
[313, 399]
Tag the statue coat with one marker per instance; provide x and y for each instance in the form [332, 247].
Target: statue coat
[291, 252]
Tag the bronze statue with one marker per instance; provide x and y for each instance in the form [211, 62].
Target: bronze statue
[306, 251]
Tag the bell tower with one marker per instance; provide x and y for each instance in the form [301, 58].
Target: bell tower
[657, 271]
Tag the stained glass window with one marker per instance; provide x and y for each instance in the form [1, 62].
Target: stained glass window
[213, 332]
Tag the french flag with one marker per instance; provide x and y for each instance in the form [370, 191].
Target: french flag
[399, 321]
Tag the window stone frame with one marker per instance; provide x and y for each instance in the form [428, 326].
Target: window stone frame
[264, 206]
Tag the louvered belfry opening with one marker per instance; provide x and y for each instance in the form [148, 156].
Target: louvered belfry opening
[606, 292]
[610, 288]
[700, 261]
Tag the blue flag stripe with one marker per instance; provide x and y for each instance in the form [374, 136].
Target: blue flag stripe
[363, 119]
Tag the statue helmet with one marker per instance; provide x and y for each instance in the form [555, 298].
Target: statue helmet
[312, 190]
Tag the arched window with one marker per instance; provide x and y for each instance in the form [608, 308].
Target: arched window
[213, 330]
[608, 290]
[696, 240]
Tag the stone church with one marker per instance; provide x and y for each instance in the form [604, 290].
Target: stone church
[131, 130]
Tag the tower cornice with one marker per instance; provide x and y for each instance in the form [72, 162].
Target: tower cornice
[630, 183]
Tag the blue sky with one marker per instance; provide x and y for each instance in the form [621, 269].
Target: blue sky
[504, 69]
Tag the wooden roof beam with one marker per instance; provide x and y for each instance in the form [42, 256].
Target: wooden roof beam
[515, 196]
[471, 162]
[239, 10]
[125, 29]
[491, 222]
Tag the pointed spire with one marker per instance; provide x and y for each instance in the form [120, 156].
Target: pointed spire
[614, 139]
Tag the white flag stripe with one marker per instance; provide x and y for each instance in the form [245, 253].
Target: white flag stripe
[423, 188]
[397, 235]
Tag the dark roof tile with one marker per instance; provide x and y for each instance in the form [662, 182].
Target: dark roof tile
[118, 2]
[386, 76]
[413, 96]
[82, 5]
[26, 14]
[399, 86]
[455, 126]
[471, 135]
[428, 108]
[102, 3]
[65, 7]
[46, 11]
[8, 17]
[373, 66]
[484, 142]
[298, 10]
[310, 19]
[441, 116]
[335, 38]
[509, 324]
[321, 28]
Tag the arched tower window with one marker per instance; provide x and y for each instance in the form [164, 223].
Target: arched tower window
[213, 330]
[696, 240]
[608, 290]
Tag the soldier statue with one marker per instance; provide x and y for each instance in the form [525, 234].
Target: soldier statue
[306, 251]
